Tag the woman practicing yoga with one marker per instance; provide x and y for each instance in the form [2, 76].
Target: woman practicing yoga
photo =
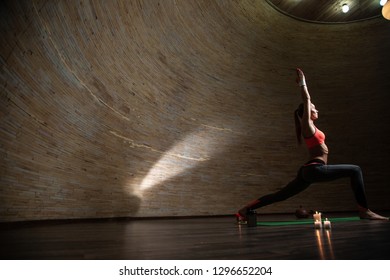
[316, 169]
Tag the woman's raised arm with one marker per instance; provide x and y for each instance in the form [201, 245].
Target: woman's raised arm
[308, 128]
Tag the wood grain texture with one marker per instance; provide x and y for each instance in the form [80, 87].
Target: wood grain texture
[180, 108]
[216, 238]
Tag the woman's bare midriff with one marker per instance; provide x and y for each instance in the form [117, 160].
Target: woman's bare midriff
[319, 152]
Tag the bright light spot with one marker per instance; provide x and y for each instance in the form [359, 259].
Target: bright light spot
[383, 2]
[166, 168]
[345, 8]
[193, 150]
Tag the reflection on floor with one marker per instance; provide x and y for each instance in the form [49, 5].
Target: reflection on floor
[194, 238]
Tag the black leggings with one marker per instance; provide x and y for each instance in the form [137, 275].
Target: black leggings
[317, 171]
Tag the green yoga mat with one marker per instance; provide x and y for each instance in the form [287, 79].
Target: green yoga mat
[305, 221]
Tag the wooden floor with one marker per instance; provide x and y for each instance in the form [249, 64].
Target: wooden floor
[194, 238]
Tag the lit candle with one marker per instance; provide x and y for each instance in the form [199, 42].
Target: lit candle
[317, 224]
[317, 216]
[327, 224]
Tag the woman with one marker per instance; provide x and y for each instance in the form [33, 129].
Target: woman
[316, 169]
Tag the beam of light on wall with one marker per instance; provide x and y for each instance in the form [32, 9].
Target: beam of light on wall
[191, 151]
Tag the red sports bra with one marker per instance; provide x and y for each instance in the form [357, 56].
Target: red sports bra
[317, 139]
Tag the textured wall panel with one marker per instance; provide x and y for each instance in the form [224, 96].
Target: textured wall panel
[180, 108]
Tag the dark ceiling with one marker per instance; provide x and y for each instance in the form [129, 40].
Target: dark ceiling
[328, 11]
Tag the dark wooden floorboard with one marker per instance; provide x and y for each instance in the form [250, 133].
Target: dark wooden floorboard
[194, 238]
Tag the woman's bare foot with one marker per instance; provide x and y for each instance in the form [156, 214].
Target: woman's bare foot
[368, 214]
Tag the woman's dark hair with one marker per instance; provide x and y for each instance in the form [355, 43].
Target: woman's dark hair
[298, 113]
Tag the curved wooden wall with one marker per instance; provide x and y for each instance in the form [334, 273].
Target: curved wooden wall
[180, 108]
